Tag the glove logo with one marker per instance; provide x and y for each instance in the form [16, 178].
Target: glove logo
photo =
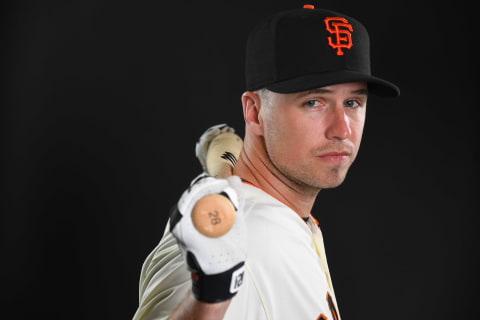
[342, 30]
[237, 280]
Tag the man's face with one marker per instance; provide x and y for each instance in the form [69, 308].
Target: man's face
[312, 137]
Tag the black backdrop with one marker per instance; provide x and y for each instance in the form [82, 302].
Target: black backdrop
[102, 102]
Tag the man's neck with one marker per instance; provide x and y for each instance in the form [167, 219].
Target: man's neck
[254, 166]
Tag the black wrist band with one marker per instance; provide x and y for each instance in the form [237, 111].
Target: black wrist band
[218, 287]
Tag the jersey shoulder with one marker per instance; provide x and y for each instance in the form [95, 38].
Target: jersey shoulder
[263, 210]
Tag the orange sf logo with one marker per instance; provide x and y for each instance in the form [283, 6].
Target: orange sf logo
[342, 29]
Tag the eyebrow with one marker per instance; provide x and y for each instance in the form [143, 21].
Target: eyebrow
[324, 91]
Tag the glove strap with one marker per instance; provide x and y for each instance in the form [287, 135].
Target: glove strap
[216, 287]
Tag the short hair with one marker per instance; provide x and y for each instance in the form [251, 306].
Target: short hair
[266, 96]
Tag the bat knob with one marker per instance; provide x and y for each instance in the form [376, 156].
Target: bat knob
[213, 215]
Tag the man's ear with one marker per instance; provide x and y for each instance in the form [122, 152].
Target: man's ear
[251, 112]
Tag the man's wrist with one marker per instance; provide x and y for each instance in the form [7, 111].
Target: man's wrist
[218, 287]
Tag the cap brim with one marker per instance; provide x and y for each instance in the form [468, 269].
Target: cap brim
[376, 85]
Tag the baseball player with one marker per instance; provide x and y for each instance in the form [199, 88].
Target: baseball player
[308, 79]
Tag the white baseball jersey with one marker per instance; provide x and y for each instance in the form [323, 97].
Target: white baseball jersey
[285, 277]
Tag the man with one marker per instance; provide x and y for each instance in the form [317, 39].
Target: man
[308, 79]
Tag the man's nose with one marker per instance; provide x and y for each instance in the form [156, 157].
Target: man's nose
[338, 124]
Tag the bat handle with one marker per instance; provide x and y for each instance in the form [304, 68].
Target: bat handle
[213, 215]
[222, 154]
[224, 171]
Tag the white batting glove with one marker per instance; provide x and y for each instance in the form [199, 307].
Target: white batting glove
[217, 264]
[201, 147]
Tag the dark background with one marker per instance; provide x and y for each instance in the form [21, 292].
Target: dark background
[103, 101]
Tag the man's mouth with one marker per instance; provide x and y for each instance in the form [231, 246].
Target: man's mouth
[335, 157]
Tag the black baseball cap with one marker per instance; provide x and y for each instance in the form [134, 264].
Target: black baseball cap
[308, 48]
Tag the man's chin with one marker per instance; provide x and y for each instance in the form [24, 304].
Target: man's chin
[317, 179]
[319, 183]
[333, 185]
[330, 181]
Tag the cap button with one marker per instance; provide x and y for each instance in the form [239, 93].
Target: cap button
[309, 6]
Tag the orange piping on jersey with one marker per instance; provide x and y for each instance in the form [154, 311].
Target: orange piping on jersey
[333, 308]
[322, 317]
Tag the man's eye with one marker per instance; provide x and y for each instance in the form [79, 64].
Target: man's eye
[312, 103]
[351, 104]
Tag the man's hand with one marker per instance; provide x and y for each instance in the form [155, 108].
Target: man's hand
[216, 263]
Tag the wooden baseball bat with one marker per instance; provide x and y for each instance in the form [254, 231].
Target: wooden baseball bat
[214, 214]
